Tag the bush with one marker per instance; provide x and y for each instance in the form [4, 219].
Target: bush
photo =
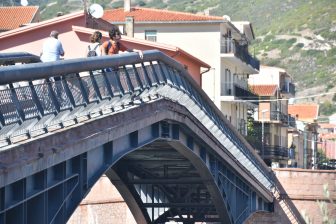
[299, 45]
[327, 108]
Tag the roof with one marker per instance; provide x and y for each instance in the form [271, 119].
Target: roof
[145, 15]
[327, 125]
[304, 112]
[264, 90]
[328, 136]
[16, 16]
[154, 45]
[36, 26]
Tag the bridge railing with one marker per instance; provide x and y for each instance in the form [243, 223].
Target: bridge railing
[71, 90]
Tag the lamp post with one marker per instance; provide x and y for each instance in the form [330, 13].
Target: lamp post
[262, 132]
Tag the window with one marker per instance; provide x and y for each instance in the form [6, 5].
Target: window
[150, 35]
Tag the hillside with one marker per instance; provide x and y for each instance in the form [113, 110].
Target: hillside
[297, 35]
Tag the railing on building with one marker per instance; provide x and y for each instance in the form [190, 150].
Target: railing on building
[245, 94]
[229, 45]
[288, 89]
[285, 119]
[275, 151]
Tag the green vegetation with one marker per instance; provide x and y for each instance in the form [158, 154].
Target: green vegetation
[327, 108]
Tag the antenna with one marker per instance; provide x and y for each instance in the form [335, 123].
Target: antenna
[96, 11]
[24, 2]
[227, 18]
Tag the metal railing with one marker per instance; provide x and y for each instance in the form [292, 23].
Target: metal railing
[229, 45]
[87, 88]
[285, 119]
[290, 88]
[275, 151]
[245, 94]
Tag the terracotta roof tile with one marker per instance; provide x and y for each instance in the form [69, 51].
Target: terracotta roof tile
[14, 17]
[327, 125]
[264, 90]
[155, 15]
[305, 112]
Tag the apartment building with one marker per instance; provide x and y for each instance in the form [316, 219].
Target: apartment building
[305, 138]
[274, 87]
[219, 42]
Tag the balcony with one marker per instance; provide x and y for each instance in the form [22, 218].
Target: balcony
[229, 94]
[288, 89]
[245, 94]
[271, 151]
[280, 117]
[229, 46]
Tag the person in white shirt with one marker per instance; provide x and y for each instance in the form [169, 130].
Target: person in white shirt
[52, 51]
[52, 48]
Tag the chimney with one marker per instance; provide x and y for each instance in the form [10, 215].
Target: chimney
[127, 5]
[129, 28]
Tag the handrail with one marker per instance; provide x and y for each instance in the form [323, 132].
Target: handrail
[18, 57]
[29, 72]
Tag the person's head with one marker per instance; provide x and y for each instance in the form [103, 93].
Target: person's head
[54, 34]
[96, 37]
[115, 33]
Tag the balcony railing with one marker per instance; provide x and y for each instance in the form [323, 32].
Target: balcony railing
[245, 94]
[290, 88]
[270, 151]
[283, 118]
[275, 151]
[230, 46]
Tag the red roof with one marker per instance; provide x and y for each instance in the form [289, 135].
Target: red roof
[327, 125]
[305, 112]
[155, 15]
[264, 90]
[14, 17]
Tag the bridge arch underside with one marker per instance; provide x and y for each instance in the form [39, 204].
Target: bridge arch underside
[160, 184]
[169, 159]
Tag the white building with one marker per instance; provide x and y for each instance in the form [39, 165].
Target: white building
[215, 40]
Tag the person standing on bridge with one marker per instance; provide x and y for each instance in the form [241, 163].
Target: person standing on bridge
[52, 48]
[113, 46]
[95, 48]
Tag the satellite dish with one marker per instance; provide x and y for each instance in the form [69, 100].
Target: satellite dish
[95, 11]
[227, 18]
[24, 2]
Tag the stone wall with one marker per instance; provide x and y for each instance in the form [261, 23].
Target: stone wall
[301, 189]
[103, 205]
[298, 191]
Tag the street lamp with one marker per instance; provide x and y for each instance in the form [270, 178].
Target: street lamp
[262, 132]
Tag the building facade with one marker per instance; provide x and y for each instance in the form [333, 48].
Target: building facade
[274, 87]
[305, 138]
[215, 40]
